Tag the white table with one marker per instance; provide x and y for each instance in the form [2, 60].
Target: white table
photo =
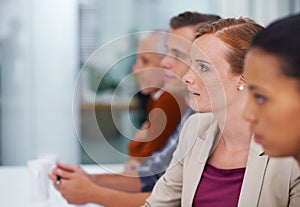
[15, 187]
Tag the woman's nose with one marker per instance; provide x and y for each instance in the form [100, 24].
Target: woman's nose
[187, 77]
[249, 112]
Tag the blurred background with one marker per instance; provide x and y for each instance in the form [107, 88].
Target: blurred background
[50, 98]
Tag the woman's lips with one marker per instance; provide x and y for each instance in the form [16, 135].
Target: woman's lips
[194, 94]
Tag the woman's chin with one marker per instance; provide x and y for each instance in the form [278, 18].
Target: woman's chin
[197, 108]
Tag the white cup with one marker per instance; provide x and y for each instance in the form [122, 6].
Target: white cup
[39, 169]
[53, 158]
[54, 195]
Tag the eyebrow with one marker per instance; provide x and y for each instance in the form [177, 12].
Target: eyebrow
[255, 88]
[202, 61]
[251, 87]
[176, 50]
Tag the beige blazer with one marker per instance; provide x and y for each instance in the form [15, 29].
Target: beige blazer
[268, 182]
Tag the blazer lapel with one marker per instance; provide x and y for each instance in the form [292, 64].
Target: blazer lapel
[194, 173]
[254, 175]
[200, 153]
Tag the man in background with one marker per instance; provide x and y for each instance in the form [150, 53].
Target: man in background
[163, 109]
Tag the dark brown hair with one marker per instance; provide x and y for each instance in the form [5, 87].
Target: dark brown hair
[192, 19]
[281, 39]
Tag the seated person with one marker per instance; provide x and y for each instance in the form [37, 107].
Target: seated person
[163, 109]
[78, 187]
[273, 79]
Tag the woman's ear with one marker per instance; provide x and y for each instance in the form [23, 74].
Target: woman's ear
[241, 83]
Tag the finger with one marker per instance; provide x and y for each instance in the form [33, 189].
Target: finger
[55, 184]
[54, 172]
[70, 168]
[63, 174]
[52, 177]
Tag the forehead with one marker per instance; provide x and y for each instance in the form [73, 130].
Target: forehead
[149, 58]
[148, 44]
[210, 48]
[181, 38]
[262, 65]
[263, 72]
[148, 48]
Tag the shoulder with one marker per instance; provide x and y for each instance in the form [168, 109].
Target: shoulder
[198, 125]
[286, 167]
[169, 104]
[166, 97]
[286, 173]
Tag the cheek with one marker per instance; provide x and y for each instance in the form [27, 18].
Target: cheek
[282, 137]
[280, 124]
[212, 89]
[291, 124]
[181, 69]
[273, 116]
[269, 121]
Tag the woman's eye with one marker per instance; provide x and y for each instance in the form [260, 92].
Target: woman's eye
[260, 99]
[202, 68]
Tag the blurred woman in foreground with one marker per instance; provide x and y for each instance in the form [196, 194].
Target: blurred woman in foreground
[273, 78]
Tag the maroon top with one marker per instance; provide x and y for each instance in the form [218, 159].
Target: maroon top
[219, 187]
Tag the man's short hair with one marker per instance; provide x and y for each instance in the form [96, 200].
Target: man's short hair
[192, 19]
